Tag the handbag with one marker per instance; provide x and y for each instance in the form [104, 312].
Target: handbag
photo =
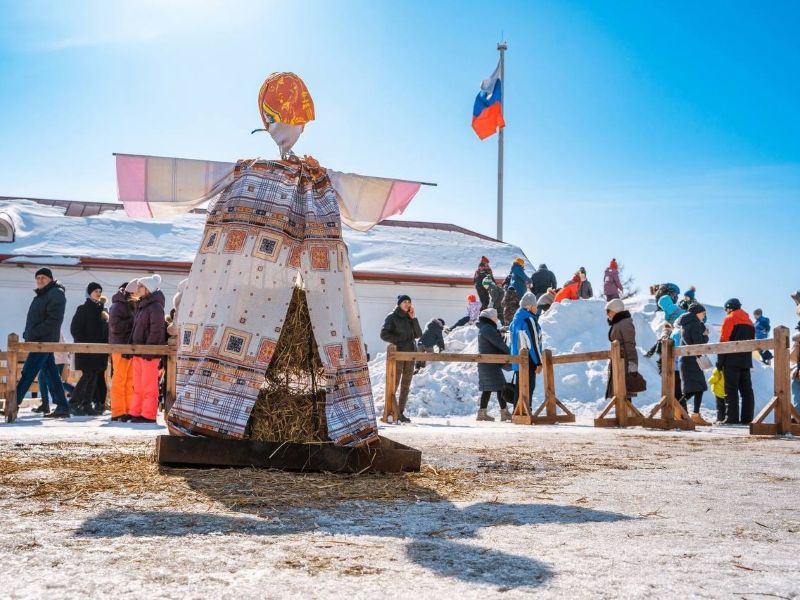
[704, 362]
[635, 383]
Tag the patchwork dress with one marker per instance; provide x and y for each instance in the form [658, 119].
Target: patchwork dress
[276, 225]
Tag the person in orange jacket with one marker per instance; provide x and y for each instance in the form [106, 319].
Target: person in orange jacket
[570, 290]
[736, 367]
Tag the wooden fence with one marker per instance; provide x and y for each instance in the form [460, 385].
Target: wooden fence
[619, 411]
[16, 349]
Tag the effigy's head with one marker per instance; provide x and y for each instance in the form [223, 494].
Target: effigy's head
[285, 107]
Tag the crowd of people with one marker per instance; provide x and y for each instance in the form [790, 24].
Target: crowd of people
[136, 316]
[507, 318]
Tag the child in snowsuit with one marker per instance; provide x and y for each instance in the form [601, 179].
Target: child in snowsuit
[473, 312]
[481, 273]
[717, 382]
[432, 337]
[495, 295]
[668, 332]
[761, 323]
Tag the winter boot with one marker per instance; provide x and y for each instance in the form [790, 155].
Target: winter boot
[698, 420]
[720, 410]
[483, 416]
[42, 408]
[505, 415]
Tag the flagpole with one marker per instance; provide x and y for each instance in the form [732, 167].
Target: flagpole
[501, 47]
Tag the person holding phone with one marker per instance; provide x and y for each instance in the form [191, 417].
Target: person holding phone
[402, 329]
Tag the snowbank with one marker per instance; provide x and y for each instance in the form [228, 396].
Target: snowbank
[451, 389]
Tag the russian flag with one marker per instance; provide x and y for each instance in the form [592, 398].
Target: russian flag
[487, 113]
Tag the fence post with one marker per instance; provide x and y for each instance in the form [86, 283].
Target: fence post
[668, 381]
[618, 388]
[389, 404]
[11, 386]
[548, 377]
[171, 375]
[783, 411]
[525, 379]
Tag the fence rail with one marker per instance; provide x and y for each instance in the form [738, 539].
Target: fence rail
[16, 348]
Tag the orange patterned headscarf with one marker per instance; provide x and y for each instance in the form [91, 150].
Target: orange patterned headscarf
[284, 98]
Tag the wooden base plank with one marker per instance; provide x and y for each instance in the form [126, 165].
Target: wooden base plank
[389, 457]
[545, 420]
[650, 423]
[772, 429]
[633, 421]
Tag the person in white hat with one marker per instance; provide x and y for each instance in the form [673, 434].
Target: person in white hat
[490, 375]
[149, 327]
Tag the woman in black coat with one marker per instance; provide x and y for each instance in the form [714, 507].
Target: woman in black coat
[693, 331]
[490, 376]
[90, 325]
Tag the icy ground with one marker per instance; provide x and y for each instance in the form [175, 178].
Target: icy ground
[545, 511]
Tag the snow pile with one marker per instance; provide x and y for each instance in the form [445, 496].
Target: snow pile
[451, 389]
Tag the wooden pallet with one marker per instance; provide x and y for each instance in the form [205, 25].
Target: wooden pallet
[389, 457]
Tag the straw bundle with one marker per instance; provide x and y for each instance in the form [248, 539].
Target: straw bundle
[291, 404]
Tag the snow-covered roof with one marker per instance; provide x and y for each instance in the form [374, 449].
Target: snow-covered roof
[44, 233]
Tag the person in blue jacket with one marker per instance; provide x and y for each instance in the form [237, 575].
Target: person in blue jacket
[763, 327]
[519, 280]
[671, 310]
[525, 332]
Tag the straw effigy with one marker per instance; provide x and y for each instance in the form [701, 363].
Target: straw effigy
[291, 404]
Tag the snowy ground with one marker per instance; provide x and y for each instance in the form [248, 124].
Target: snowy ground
[499, 511]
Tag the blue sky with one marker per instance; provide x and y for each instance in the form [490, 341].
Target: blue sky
[664, 134]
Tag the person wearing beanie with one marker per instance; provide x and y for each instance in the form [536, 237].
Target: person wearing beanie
[612, 286]
[668, 332]
[496, 295]
[402, 329]
[736, 367]
[570, 291]
[173, 327]
[433, 337]
[693, 332]
[481, 273]
[149, 328]
[546, 300]
[542, 280]
[622, 329]
[762, 326]
[473, 312]
[510, 304]
[490, 376]
[43, 324]
[90, 326]
[519, 279]
[689, 298]
[525, 332]
[120, 328]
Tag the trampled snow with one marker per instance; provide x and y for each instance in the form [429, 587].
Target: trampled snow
[451, 389]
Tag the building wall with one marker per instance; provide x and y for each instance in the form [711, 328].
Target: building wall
[376, 299]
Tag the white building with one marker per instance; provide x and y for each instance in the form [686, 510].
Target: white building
[85, 241]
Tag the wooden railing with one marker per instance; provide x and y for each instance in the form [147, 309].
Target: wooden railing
[619, 411]
[15, 348]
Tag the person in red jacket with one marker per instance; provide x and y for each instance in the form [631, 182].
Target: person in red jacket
[569, 291]
[736, 367]
[149, 327]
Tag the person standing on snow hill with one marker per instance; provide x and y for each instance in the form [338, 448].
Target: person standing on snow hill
[585, 290]
[90, 325]
[736, 367]
[495, 293]
[401, 328]
[688, 298]
[519, 280]
[542, 280]
[510, 304]
[120, 328]
[43, 324]
[612, 286]
[693, 332]
[433, 337]
[490, 376]
[621, 329]
[668, 332]
[481, 273]
[149, 328]
[525, 332]
[761, 323]
[666, 297]
[570, 290]
[546, 300]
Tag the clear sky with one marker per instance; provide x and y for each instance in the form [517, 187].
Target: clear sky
[664, 134]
